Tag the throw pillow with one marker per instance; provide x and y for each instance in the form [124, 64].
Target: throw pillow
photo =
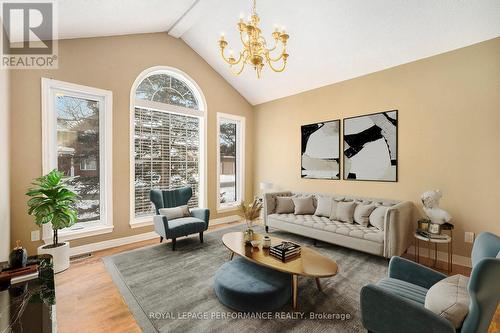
[377, 217]
[185, 210]
[284, 205]
[175, 212]
[344, 211]
[324, 207]
[333, 211]
[303, 206]
[449, 299]
[362, 214]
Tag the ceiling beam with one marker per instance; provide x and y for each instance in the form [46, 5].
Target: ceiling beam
[191, 16]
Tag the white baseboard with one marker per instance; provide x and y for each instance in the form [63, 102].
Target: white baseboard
[442, 256]
[226, 219]
[87, 248]
[136, 238]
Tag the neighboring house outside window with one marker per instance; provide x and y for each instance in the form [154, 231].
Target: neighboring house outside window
[230, 160]
[77, 135]
[88, 164]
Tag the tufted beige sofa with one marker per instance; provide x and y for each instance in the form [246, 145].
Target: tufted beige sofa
[394, 240]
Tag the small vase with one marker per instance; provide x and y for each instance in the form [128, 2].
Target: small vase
[248, 236]
[18, 257]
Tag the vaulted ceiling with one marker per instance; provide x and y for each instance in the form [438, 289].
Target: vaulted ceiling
[330, 40]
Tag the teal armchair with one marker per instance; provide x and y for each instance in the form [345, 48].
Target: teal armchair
[175, 228]
[396, 303]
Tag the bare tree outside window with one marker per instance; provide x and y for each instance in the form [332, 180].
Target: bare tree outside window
[77, 144]
[228, 162]
[166, 145]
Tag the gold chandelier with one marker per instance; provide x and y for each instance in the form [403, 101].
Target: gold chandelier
[255, 51]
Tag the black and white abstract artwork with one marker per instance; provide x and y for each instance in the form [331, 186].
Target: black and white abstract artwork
[370, 147]
[321, 150]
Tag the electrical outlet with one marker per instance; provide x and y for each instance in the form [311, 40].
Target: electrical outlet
[469, 237]
[35, 235]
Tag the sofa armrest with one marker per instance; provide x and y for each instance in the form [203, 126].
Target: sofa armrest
[397, 227]
[409, 271]
[202, 214]
[385, 312]
[270, 202]
[161, 225]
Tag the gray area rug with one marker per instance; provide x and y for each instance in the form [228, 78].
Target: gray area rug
[173, 291]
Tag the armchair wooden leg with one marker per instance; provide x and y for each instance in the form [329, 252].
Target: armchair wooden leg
[173, 244]
[161, 239]
[201, 237]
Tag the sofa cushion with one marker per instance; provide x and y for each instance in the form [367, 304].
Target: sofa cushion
[343, 211]
[325, 224]
[284, 205]
[186, 226]
[303, 206]
[377, 217]
[404, 289]
[175, 212]
[362, 213]
[449, 299]
[324, 206]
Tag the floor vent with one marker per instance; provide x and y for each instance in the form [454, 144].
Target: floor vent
[80, 257]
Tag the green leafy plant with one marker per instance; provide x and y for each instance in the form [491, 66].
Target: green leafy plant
[52, 202]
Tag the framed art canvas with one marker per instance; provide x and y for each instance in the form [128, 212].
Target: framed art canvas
[371, 147]
[320, 156]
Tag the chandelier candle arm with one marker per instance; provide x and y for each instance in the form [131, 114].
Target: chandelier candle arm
[255, 51]
[238, 72]
[278, 70]
[230, 60]
[281, 55]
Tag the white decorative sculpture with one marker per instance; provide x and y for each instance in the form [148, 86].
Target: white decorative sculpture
[430, 200]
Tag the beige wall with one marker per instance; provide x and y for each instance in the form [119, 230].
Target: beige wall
[112, 63]
[449, 134]
[449, 119]
[4, 166]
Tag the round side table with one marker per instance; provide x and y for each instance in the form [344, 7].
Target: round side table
[448, 240]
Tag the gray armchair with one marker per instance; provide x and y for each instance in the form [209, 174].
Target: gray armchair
[172, 229]
[396, 303]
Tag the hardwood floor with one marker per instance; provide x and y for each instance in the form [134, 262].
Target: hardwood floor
[88, 300]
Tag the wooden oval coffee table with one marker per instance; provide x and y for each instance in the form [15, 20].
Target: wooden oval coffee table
[310, 263]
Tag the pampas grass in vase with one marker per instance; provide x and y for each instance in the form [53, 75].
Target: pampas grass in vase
[250, 212]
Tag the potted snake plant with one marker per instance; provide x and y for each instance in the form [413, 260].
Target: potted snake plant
[53, 202]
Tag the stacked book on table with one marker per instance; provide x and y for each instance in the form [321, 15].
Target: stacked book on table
[427, 234]
[285, 251]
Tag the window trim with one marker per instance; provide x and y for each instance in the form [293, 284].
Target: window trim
[240, 161]
[49, 153]
[201, 113]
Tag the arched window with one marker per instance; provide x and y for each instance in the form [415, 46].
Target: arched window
[168, 126]
[167, 89]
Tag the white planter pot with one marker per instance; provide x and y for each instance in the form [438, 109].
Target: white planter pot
[60, 255]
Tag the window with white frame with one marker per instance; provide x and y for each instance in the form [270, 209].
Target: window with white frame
[77, 135]
[168, 144]
[230, 160]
